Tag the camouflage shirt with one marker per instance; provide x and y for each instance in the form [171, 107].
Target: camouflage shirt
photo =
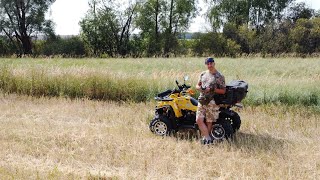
[211, 80]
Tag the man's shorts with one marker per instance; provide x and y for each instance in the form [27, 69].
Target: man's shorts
[210, 111]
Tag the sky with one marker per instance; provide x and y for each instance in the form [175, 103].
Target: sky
[66, 15]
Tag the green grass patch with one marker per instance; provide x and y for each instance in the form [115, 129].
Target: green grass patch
[92, 86]
[288, 81]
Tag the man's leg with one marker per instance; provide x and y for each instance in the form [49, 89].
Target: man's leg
[203, 128]
[212, 114]
[201, 124]
[209, 126]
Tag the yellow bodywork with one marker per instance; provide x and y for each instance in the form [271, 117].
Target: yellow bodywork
[178, 102]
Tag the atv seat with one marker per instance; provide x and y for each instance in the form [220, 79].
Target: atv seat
[165, 93]
[166, 98]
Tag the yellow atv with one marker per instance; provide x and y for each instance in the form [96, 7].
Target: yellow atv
[176, 110]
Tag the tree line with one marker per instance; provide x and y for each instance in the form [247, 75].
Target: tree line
[158, 28]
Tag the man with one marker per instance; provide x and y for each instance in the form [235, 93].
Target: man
[210, 82]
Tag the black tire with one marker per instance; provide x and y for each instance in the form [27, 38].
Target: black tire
[235, 122]
[234, 119]
[151, 124]
[222, 129]
[161, 126]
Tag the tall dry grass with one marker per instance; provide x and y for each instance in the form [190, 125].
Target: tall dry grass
[56, 138]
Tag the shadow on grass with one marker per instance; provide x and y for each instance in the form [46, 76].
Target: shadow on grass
[258, 142]
[244, 141]
[187, 134]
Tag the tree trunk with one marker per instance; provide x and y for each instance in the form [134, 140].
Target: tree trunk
[156, 48]
[168, 41]
[26, 44]
[157, 28]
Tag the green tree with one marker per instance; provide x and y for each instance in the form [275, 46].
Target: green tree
[306, 36]
[136, 46]
[247, 40]
[251, 12]
[300, 10]
[68, 47]
[20, 20]
[107, 26]
[4, 49]
[180, 13]
[242, 36]
[214, 43]
[161, 21]
[265, 12]
[228, 11]
[150, 16]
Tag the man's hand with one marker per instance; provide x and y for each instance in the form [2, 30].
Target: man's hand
[199, 87]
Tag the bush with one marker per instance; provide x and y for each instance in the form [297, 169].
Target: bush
[210, 43]
[306, 36]
[232, 48]
[69, 47]
[6, 47]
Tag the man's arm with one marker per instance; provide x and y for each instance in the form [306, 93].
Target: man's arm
[198, 86]
[199, 83]
[221, 86]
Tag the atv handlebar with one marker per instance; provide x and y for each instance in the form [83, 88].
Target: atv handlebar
[182, 87]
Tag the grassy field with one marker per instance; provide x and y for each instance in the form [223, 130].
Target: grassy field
[72, 139]
[47, 136]
[272, 81]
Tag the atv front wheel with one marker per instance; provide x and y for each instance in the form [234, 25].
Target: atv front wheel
[160, 126]
[222, 129]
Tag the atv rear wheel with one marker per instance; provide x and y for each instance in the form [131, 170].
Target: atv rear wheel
[235, 122]
[222, 129]
[234, 119]
[161, 126]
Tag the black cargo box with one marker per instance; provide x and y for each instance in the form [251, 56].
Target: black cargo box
[236, 91]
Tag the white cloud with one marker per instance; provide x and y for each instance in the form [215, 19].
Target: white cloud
[66, 14]
[314, 4]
